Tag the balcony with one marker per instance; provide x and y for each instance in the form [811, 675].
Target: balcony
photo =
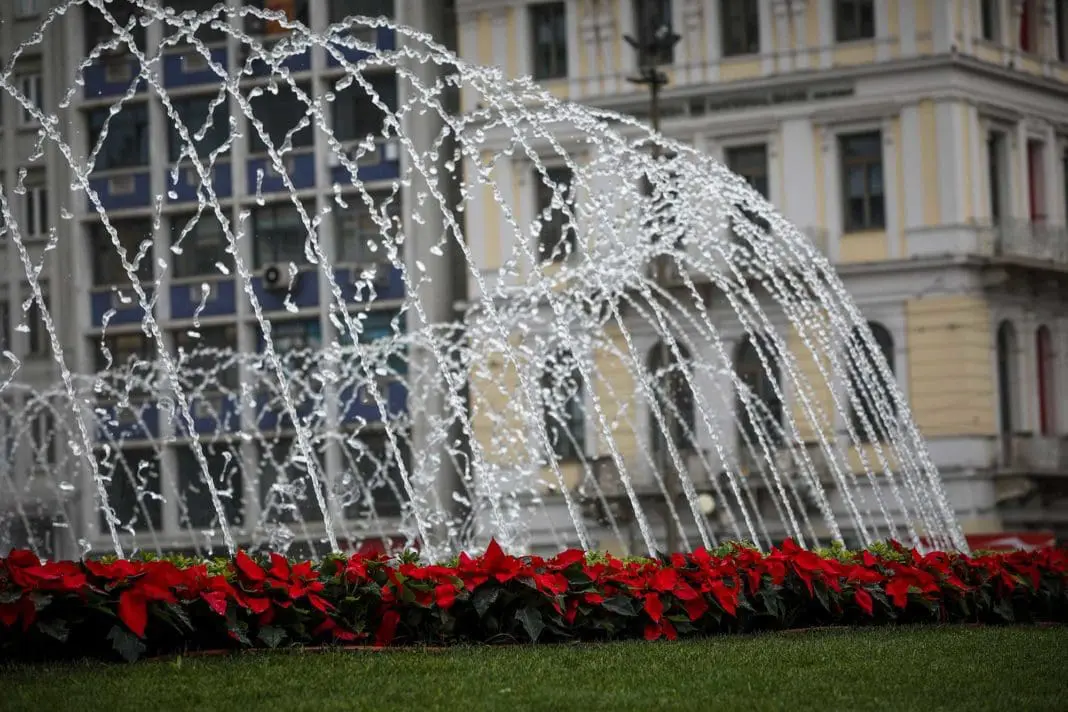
[1035, 242]
[1029, 454]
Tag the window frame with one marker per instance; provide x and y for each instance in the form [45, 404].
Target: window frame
[567, 231]
[390, 97]
[26, 9]
[666, 56]
[226, 377]
[868, 223]
[886, 345]
[141, 139]
[259, 260]
[764, 386]
[38, 340]
[851, 29]
[557, 50]
[195, 248]
[749, 46]
[358, 212]
[220, 121]
[31, 84]
[256, 145]
[572, 446]
[989, 17]
[35, 215]
[101, 254]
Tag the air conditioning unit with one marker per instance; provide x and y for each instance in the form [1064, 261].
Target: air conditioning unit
[278, 278]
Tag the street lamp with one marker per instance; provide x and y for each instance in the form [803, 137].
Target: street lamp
[651, 48]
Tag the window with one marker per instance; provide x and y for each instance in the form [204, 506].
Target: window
[674, 397]
[36, 222]
[854, 20]
[563, 406]
[43, 436]
[371, 458]
[862, 175]
[195, 508]
[1006, 359]
[1061, 30]
[133, 234]
[293, 10]
[194, 115]
[126, 349]
[27, 8]
[127, 142]
[359, 237]
[751, 163]
[548, 22]
[741, 27]
[340, 9]
[5, 326]
[206, 358]
[355, 114]
[1036, 181]
[296, 342]
[762, 385]
[1029, 26]
[279, 234]
[39, 343]
[652, 17]
[134, 487]
[872, 391]
[204, 32]
[200, 243]
[1047, 389]
[996, 174]
[99, 30]
[556, 238]
[286, 490]
[31, 86]
[280, 113]
[990, 20]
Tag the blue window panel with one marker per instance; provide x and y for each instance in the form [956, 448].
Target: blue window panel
[212, 414]
[355, 409]
[132, 313]
[386, 40]
[367, 173]
[183, 69]
[294, 63]
[122, 191]
[305, 293]
[186, 299]
[189, 182]
[102, 80]
[301, 169]
[141, 423]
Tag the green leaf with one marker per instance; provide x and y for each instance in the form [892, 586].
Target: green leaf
[484, 597]
[1004, 610]
[11, 596]
[126, 643]
[180, 614]
[271, 636]
[532, 623]
[56, 628]
[40, 600]
[620, 605]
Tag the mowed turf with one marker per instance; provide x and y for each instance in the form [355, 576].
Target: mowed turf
[925, 669]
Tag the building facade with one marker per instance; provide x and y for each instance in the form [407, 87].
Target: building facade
[921, 144]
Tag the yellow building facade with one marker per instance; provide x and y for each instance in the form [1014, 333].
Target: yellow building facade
[964, 264]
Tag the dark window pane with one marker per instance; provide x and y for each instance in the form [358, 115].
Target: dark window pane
[193, 113]
[195, 507]
[872, 386]
[107, 265]
[371, 476]
[201, 243]
[204, 32]
[854, 20]
[556, 239]
[134, 488]
[279, 234]
[761, 383]
[863, 198]
[650, 17]
[206, 358]
[564, 407]
[548, 23]
[355, 113]
[126, 349]
[126, 145]
[99, 29]
[287, 492]
[675, 398]
[340, 9]
[293, 10]
[741, 27]
[751, 163]
[280, 113]
[360, 239]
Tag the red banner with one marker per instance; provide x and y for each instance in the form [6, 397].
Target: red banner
[1010, 541]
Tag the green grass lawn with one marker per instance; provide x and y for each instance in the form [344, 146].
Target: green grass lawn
[902, 669]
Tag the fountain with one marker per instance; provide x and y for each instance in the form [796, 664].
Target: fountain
[659, 357]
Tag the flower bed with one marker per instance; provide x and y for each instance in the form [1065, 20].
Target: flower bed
[128, 608]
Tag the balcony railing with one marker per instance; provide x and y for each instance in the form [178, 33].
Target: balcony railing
[1034, 240]
[1026, 453]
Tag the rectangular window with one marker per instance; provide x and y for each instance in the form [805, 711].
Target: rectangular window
[204, 32]
[355, 114]
[99, 30]
[378, 466]
[854, 20]
[340, 9]
[741, 27]
[195, 507]
[35, 221]
[125, 349]
[286, 489]
[751, 163]
[556, 239]
[132, 235]
[862, 181]
[27, 8]
[43, 436]
[564, 408]
[127, 142]
[5, 327]
[202, 244]
[996, 175]
[990, 20]
[1061, 22]
[279, 234]
[194, 115]
[1036, 181]
[39, 343]
[548, 23]
[1029, 26]
[206, 357]
[291, 10]
[650, 17]
[134, 488]
[280, 113]
[360, 239]
[32, 87]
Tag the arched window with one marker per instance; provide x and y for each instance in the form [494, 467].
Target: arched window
[563, 394]
[1006, 358]
[1047, 416]
[764, 386]
[670, 381]
[873, 391]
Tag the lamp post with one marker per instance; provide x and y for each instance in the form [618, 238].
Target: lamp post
[655, 37]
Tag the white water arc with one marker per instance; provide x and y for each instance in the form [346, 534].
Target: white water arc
[544, 413]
